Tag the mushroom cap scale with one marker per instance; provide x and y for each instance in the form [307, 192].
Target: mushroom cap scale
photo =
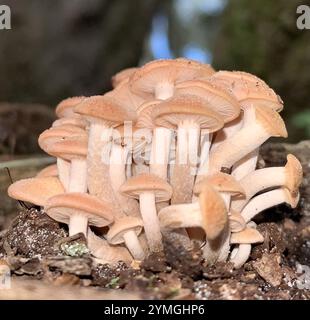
[271, 121]
[246, 236]
[145, 79]
[294, 174]
[221, 182]
[142, 183]
[65, 107]
[219, 99]
[36, 190]
[106, 109]
[186, 108]
[62, 207]
[213, 212]
[116, 232]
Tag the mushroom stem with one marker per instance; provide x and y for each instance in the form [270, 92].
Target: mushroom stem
[245, 165]
[240, 255]
[150, 221]
[160, 152]
[185, 167]
[164, 90]
[78, 224]
[78, 176]
[257, 181]
[63, 168]
[264, 201]
[133, 245]
[205, 144]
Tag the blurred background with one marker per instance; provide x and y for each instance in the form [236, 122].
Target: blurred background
[61, 48]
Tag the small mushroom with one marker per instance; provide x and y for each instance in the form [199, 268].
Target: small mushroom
[78, 210]
[36, 190]
[267, 200]
[149, 189]
[289, 176]
[126, 230]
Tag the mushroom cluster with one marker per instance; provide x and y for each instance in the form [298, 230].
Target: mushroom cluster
[170, 152]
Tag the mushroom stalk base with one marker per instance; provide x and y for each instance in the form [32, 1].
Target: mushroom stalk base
[133, 245]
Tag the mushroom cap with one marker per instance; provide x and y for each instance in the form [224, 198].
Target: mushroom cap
[213, 212]
[293, 170]
[292, 198]
[221, 182]
[236, 221]
[146, 78]
[122, 75]
[142, 183]
[36, 190]
[76, 121]
[219, 99]
[62, 207]
[177, 109]
[106, 109]
[271, 121]
[116, 232]
[69, 148]
[55, 134]
[65, 107]
[49, 171]
[145, 114]
[246, 236]
[248, 89]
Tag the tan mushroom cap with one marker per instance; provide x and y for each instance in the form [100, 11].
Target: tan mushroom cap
[293, 173]
[271, 121]
[69, 148]
[36, 190]
[246, 236]
[49, 171]
[236, 221]
[248, 89]
[213, 211]
[65, 107]
[292, 198]
[62, 207]
[122, 75]
[116, 232]
[221, 182]
[183, 107]
[219, 99]
[139, 184]
[145, 114]
[76, 122]
[55, 134]
[145, 79]
[106, 109]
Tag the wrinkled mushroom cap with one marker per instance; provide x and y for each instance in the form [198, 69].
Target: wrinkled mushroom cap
[293, 170]
[221, 182]
[49, 171]
[177, 109]
[213, 211]
[116, 232]
[236, 221]
[36, 190]
[271, 121]
[146, 78]
[142, 183]
[219, 99]
[62, 207]
[105, 109]
[65, 107]
[246, 236]
[122, 75]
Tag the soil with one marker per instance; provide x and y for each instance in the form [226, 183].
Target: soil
[278, 269]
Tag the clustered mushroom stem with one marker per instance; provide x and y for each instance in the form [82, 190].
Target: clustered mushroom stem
[240, 255]
[63, 168]
[245, 165]
[150, 221]
[264, 201]
[133, 245]
[164, 90]
[78, 176]
[204, 152]
[78, 224]
[257, 181]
